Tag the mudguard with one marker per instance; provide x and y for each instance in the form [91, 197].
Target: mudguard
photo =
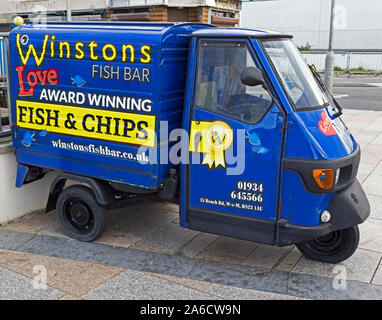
[101, 189]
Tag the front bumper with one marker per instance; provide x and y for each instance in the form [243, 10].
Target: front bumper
[348, 167]
[348, 207]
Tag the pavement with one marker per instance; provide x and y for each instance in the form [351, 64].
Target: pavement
[145, 254]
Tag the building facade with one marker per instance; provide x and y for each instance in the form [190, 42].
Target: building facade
[357, 23]
[218, 12]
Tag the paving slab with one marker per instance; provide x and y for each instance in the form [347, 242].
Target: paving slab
[375, 126]
[233, 293]
[168, 206]
[377, 140]
[66, 248]
[361, 177]
[323, 288]
[187, 273]
[373, 185]
[378, 169]
[238, 276]
[375, 206]
[117, 239]
[148, 261]
[371, 132]
[367, 117]
[365, 168]
[378, 276]
[54, 230]
[12, 240]
[360, 266]
[14, 286]
[70, 297]
[266, 256]
[228, 250]
[352, 111]
[371, 153]
[371, 235]
[290, 260]
[198, 244]
[133, 285]
[357, 126]
[69, 276]
[168, 238]
[139, 220]
[33, 223]
[186, 282]
[364, 139]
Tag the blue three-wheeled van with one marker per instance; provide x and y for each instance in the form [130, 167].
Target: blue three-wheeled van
[230, 123]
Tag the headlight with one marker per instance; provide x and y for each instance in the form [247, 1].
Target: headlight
[325, 216]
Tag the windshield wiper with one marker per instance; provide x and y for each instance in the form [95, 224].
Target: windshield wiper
[323, 86]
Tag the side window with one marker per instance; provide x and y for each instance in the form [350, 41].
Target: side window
[219, 87]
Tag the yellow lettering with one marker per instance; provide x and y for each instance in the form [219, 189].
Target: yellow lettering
[61, 47]
[92, 45]
[52, 46]
[80, 54]
[113, 55]
[124, 54]
[146, 52]
[31, 50]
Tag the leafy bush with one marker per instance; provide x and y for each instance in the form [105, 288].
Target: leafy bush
[307, 47]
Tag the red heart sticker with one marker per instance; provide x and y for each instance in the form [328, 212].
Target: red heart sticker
[325, 125]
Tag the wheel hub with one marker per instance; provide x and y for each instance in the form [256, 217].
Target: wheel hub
[328, 244]
[80, 214]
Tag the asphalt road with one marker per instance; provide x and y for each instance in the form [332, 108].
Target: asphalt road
[359, 93]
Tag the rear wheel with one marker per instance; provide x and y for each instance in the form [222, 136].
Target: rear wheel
[80, 215]
[334, 247]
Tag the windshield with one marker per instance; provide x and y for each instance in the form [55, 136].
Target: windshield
[298, 81]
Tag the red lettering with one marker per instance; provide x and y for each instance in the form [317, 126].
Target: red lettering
[53, 76]
[34, 77]
[23, 91]
[42, 75]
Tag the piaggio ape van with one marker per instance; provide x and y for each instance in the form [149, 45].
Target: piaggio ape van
[100, 102]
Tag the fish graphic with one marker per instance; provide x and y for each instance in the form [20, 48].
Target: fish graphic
[28, 138]
[254, 140]
[43, 133]
[78, 81]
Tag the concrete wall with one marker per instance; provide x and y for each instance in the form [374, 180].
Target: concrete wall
[16, 202]
[358, 23]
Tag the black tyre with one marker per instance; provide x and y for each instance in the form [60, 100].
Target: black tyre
[334, 247]
[79, 213]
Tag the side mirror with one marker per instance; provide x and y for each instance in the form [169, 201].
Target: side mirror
[252, 76]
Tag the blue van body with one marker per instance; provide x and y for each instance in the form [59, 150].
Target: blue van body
[163, 86]
[90, 99]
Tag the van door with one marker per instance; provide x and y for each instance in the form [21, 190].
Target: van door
[231, 185]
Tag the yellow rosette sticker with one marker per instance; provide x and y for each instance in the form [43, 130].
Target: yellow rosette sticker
[212, 138]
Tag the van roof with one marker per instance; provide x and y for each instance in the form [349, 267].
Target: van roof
[142, 26]
[207, 30]
[239, 32]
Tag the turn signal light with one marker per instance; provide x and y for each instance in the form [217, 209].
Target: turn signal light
[324, 178]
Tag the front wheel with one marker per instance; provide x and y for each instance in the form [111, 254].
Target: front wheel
[334, 247]
[79, 213]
